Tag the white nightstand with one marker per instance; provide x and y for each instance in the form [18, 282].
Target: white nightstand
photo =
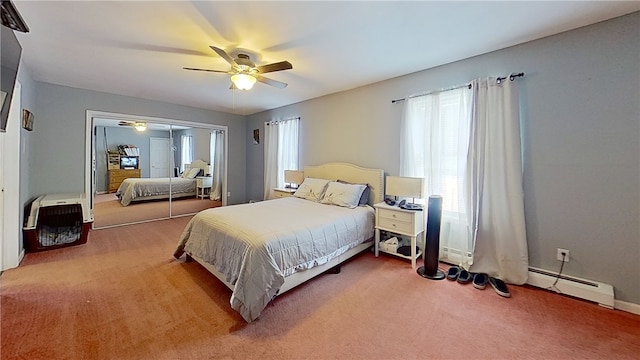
[203, 183]
[283, 192]
[399, 221]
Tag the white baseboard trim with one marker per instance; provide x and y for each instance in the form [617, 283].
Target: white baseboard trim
[581, 288]
[628, 307]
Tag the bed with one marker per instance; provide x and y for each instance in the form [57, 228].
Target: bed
[144, 189]
[264, 249]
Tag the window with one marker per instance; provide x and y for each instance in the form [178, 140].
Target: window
[281, 152]
[435, 140]
[186, 150]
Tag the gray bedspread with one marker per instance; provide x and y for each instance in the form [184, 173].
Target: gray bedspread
[257, 245]
[136, 189]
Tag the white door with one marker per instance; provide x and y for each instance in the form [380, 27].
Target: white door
[159, 157]
[11, 226]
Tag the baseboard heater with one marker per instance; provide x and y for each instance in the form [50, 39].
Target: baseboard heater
[572, 286]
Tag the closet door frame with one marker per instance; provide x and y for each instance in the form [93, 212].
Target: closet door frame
[90, 156]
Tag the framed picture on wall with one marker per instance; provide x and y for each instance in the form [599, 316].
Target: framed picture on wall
[256, 136]
[27, 119]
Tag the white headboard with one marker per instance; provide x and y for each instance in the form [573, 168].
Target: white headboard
[353, 174]
[198, 164]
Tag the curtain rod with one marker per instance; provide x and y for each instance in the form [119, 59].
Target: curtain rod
[277, 121]
[498, 80]
[432, 92]
[511, 77]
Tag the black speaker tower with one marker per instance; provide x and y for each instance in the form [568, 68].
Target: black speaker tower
[432, 240]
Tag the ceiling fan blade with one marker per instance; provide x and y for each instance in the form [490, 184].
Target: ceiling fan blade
[276, 83]
[223, 54]
[279, 66]
[217, 71]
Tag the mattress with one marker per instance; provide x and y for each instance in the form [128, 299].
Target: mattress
[137, 189]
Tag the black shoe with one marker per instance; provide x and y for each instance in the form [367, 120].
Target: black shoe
[500, 287]
[465, 277]
[453, 273]
[480, 281]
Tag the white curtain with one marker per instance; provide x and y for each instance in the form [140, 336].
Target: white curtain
[434, 144]
[280, 154]
[186, 150]
[217, 156]
[494, 182]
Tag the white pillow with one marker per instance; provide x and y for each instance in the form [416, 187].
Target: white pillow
[311, 189]
[341, 194]
[191, 173]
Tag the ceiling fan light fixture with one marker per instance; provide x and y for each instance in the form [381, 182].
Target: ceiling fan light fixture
[243, 81]
[140, 126]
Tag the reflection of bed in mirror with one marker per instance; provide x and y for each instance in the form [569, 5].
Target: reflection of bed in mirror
[144, 189]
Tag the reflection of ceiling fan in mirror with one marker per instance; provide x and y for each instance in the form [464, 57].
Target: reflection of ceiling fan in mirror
[244, 72]
[138, 125]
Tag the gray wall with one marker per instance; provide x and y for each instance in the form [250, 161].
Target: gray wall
[581, 144]
[58, 144]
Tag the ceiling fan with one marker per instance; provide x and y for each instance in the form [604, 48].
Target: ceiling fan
[138, 125]
[244, 72]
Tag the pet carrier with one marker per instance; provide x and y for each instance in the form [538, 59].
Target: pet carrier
[55, 221]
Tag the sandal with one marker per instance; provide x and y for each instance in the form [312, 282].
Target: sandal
[480, 281]
[465, 277]
[453, 273]
[500, 287]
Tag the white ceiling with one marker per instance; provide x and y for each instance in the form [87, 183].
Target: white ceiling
[139, 48]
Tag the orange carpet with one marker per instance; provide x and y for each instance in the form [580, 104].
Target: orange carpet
[122, 296]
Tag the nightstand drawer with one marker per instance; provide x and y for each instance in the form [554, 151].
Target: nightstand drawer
[204, 181]
[395, 225]
[280, 194]
[393, 215]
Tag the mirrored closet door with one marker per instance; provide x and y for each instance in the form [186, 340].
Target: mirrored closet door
[198, 155]
[146, 170]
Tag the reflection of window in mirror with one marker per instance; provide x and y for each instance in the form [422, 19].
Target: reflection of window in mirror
[186, 151]
[217, 163]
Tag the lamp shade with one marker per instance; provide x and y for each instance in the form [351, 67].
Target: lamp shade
[404, 186]
[208, 170]
[293, 177]
[243, 81]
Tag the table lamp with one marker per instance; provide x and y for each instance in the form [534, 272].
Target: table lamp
[405, 187]
[292, 177]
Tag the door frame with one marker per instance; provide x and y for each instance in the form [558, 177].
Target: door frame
[90, 155]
